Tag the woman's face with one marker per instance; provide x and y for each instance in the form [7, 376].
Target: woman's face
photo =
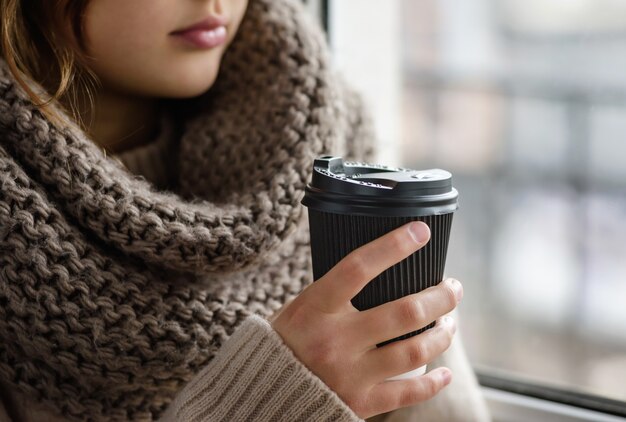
[160, 48]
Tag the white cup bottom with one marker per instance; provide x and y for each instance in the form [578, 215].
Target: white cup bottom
[408, 375]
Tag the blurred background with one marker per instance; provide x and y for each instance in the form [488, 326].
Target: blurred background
[524, 101]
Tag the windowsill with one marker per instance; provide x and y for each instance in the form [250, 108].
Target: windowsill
[510, 407]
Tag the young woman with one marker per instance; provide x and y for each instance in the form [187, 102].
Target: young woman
[154, 256]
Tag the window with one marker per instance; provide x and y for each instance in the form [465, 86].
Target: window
[524, 101]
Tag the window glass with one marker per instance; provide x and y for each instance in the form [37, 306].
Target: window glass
[524, 101]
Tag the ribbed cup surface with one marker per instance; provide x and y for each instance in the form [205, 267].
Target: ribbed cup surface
[333, 236]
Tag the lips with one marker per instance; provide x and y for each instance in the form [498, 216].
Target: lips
[208, 33]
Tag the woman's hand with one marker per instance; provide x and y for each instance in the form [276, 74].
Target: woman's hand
[338, 343]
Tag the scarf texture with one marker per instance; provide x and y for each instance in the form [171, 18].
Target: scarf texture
[114, 293]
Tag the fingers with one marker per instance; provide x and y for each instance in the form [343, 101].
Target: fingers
[359, 267]
[391, 395]
[409, 313]
[405, 355]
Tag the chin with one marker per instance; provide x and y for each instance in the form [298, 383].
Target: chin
[184, 91]
[187, 85]
[186, 80]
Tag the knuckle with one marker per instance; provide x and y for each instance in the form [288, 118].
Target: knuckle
[430, 388]
[354, 266]
[412, 311]
[417, 353]
[411, 395]
[398, 242]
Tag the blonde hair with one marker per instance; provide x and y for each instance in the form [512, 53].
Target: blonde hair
[42, 41]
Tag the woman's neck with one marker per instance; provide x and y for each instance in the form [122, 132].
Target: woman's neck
[118, 122]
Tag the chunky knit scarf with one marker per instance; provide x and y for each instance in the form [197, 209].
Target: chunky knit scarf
[113, 294]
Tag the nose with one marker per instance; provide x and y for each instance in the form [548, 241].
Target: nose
[216, 7]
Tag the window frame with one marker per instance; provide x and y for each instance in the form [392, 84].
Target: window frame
[510, 384]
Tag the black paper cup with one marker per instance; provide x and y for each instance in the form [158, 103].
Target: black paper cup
[351, 204]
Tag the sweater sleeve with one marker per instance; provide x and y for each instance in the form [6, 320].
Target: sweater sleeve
[255, 376]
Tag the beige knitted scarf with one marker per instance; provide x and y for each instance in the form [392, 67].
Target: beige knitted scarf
[113, 294]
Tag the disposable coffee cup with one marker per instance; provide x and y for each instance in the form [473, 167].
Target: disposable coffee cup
[353, 203]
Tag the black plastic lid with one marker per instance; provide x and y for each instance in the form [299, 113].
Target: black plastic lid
[376, 190]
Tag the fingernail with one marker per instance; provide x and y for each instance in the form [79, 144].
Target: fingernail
[446, 376]
[449, 321]
[419, 232]
[457, 288]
